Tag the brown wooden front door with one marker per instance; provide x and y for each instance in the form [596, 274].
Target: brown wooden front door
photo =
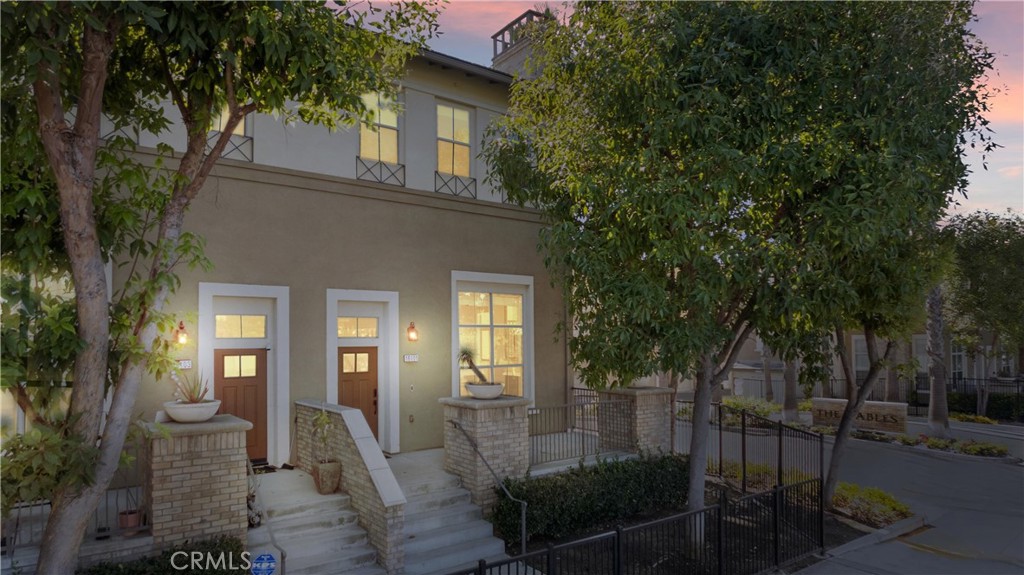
[357, 381]
[240, 382]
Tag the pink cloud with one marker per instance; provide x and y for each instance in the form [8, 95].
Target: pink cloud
[1011, 172]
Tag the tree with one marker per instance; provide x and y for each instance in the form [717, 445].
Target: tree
[708, 169]
[938, 403]
[69, 67]
[985, 309]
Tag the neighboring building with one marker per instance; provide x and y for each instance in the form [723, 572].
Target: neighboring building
[329, 248]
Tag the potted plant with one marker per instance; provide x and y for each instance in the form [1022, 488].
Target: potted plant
[326, 467]
[483, 389]
[191, 405]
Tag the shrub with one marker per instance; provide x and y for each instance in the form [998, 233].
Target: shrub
[805, 405]
[1001, 406]
[754, 405]
[908, 440]
[871, 435]
[230, 547]
[584, 497]
[760, 476]
[940, 444]
[971, 418]
[869, 505]
[983, 448]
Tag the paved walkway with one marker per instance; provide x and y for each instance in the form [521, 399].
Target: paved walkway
[973, 510]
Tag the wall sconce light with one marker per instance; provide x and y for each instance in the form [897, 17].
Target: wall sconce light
[413, 334]
[180, 334]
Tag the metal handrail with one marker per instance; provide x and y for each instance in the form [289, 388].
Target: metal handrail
[522, 504]
[266, 517]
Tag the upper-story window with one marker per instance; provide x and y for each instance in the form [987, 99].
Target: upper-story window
[220, 122]
[378, 138]
[239, 146]
[452, 140]
[378, 143]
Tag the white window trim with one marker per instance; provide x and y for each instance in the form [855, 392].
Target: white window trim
[279, 392]
[387, 376]
[497, 281]
[438, 138]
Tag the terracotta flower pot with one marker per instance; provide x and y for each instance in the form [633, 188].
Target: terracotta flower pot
[327, 476]
[128, 521]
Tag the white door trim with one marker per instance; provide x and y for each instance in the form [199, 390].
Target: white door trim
[387, 376]
[279, 385]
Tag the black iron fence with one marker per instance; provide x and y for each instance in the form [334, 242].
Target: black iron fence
[747, 536]
[752, 452]
[120, 513]
[585, 427]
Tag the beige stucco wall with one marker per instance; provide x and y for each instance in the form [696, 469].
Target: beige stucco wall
[270, 226]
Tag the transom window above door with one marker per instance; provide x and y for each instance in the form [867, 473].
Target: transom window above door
[360, 327]
[491, 325]
[236, 326]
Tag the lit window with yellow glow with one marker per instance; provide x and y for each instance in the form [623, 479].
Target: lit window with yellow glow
[491, 324]
[235, 326]
[378, 138]
[220, 123]
[361, 327]
[452, 140]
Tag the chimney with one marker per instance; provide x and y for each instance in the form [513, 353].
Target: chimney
[512, 43]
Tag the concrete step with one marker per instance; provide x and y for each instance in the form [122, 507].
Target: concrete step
[436, 500]
[328, 552]
[425, 520]
[435, 481]
[349, 532]
[307, 505]
[301, 524]
[444, 559]
[444, 536]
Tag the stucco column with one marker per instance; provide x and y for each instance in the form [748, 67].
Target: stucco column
[500, 430]
[196, 483]
[636, 418]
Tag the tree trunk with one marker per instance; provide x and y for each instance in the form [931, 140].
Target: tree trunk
[790, 401]
[892, 374]
[938, 407]
[766, 372]
[699, 437]
[850, 414]
[991, 368]
[850, 383]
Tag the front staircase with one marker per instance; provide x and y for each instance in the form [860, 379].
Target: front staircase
[320, 533]
[444, 531]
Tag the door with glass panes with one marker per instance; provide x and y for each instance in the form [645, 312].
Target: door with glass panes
[240, 382]
[357, 381]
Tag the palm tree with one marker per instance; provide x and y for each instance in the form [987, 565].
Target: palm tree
[466, 357]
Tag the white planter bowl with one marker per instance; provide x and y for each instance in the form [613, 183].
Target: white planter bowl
[191, 412]
[485, 391]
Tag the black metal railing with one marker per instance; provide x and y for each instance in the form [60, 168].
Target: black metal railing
[752, 452]
[501, 484]
[575, 430]
[121, 511]
[747, 536]
[381, 172]
[455, 185]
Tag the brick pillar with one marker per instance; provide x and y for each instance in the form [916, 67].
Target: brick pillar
[500, 428]
[196, 482]
[636, 418]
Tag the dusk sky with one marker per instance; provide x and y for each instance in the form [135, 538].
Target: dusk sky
[467, 26]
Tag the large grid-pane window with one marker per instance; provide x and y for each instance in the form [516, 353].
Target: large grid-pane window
[453, 140]
[491, 324]
[378, 138]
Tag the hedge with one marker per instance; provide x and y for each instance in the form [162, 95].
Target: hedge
[1001, 406]
[585, 497]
